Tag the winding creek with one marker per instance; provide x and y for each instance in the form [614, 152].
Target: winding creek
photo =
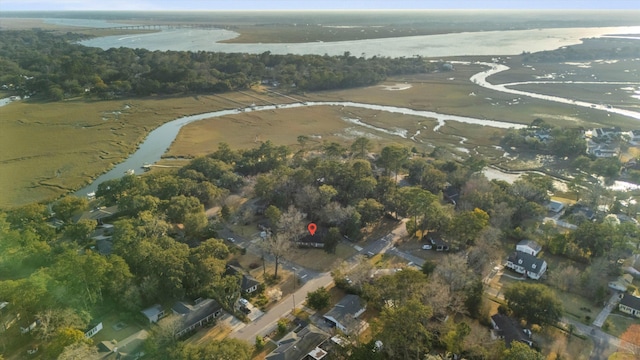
[159, 140]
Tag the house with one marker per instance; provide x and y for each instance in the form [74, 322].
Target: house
[197, 315]
[302, 343]
[248, 284]
[529, 246]
[99, 214]
[508, 329]
[130, 347]
[555, 206]
[634, 136]
[314, 241]
[528, 264]
[584, 211]
[630, 304]
[622, 283]
[153, 313]
[437, 242]
[344, 315]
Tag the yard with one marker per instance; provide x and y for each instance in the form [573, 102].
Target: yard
[318, 259]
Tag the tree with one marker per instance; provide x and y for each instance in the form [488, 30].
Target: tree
[521, 351]
[535, 303]
[360, 146]
[277, 245]
[318, 299]
[79, 351]
[80, 231]
[455, 337]
[630, 340]
[68, 206]
[332, 239]
[370, 210]
[404, 339]
[392, 158]
[63, 338]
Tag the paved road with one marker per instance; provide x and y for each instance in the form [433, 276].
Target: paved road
[268, 321]
[313, 281]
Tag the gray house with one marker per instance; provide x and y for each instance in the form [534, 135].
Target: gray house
[344, 315]
[527, 264]
[195, 316]
[153, 313]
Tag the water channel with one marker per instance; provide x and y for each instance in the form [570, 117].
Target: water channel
[159, 140]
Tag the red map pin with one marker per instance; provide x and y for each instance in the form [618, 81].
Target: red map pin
[312, 228]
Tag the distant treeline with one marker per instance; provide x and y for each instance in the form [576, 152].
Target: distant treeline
[52, 66]
[590, 49]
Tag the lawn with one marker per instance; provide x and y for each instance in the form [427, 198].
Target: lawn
[555, 342]
[318, 259]
[619, 323]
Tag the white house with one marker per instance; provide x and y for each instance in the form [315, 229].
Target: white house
[529, 246]
[527, 264]
[630, 304]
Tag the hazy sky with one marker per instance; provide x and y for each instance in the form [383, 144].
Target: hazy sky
[13, 5]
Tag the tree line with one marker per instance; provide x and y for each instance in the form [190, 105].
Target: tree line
[53, 66]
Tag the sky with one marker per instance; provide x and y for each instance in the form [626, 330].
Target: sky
[187, 5]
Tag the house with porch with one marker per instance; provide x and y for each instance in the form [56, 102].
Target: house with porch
[527, 264]
[630, 304]
[195, 316]
[248, 284]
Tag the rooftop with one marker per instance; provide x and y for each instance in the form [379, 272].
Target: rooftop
[630, 301]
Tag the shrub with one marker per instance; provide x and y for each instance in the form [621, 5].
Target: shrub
[282, 326]
[318, 299]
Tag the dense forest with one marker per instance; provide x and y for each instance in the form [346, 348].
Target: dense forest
[54, 67]
[59, 277]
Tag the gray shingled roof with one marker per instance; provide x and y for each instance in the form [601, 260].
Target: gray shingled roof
[529, 262]
[630, 301]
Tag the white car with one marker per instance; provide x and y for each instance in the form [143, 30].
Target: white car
[231, 240]
[243, 302]
[427, 247]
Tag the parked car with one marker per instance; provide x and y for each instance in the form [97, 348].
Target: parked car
[427, 247]
[231, 240]
[243, 302]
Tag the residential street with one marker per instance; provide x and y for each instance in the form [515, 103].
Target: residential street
[268, 321]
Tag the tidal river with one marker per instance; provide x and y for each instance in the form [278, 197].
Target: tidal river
[159, 140]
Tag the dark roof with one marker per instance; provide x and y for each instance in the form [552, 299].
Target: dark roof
[509, 329]
[630, 301]
[194, 313]
[247, 281]
[436, 239]
[318, 237]
[345, 309]
[296, 345]
[529, 262]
